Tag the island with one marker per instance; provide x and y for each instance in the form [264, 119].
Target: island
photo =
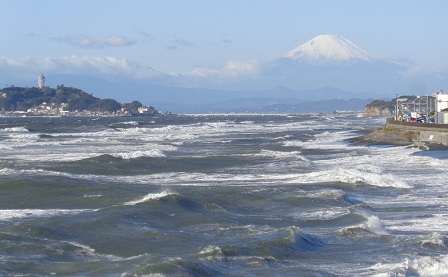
[65, 101]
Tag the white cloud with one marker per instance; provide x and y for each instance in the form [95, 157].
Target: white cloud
[95, 42]
[233, 69]
[77, 65]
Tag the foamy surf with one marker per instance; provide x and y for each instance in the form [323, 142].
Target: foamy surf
[139, 154]
[14, 130]
[7, 215]
[230, 196]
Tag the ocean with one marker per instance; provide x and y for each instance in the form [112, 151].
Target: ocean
[217, 196]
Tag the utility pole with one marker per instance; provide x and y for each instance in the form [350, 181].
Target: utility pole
[396, 106]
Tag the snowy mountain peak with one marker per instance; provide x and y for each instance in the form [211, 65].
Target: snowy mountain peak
[330, 48]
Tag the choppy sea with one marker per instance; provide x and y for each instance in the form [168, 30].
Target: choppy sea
[217, 196]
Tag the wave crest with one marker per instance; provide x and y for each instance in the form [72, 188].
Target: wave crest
[148, 197]
[434, 240]
[372, 225]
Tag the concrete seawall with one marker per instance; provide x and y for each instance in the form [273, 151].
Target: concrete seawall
[424, 134]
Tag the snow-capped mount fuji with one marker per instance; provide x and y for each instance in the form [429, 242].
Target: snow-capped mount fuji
[331, 61]
[330, 48]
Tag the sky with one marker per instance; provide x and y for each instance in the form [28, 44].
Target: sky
[140, 38]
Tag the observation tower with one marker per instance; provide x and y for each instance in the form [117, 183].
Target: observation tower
[41, 81]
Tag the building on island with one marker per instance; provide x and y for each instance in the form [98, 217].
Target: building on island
[41, 81]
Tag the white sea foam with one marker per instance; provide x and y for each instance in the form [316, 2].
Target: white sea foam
[374, 179]
[281, 154]
[326, 193]
[15, 130]
[435, 239]
[325, 214]
[430, 266]
[93, 195]
[201, 179]
[8, 172]
[350, 176]
[86, 250]
[80, 150]
[134, 123]
[139, 154]
[295, 143]
[7, 215]
[148, 197]
[430, 223]
[374, 225]
[389, 270]
[23, 137]
[210, 250]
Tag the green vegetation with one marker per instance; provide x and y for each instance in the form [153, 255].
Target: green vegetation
[63, 98]
[24, 98]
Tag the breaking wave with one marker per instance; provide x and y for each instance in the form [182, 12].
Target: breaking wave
[6, 215]
[148, 197]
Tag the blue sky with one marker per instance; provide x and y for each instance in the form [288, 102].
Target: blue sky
[173, 36]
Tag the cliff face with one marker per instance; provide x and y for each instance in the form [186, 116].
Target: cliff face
[378, 111]
[379, 108]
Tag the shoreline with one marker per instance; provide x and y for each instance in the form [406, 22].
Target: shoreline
[398, 135]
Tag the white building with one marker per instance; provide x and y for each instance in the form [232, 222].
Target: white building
[441, 104]
[41, 81]
[441, 101]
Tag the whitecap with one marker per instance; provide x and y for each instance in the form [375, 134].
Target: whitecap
[434, 240]
[429, 223]
[92, 195]
[23, 137]
[327, 214]
[7, 171]
[14, 130]
[138, 154]
[372, 224]
[430, 266]
[354, 176]
[389, 269]
[7, 215]
[150, 196]
[134, 123]
[281, 154]
[82, 249]
[210, 250]
[295, 143]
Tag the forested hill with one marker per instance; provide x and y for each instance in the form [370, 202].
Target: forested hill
[73, 99]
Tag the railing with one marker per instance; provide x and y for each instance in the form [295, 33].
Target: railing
[416, 124]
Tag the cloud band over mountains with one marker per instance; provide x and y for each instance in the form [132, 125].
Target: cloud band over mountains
[340, 63]
[95, 42]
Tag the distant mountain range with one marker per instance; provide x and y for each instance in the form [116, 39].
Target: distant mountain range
[325, 68]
